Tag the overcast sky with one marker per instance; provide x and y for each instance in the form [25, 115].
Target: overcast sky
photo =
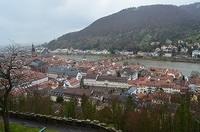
[39, 21]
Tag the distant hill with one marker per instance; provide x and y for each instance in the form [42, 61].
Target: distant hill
[135, 28]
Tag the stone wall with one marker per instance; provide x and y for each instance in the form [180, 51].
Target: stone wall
[44, 119]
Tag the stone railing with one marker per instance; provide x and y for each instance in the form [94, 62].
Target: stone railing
[48, 119]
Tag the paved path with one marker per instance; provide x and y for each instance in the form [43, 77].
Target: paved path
[59, 128]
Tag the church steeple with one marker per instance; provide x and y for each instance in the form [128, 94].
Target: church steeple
[33, 51]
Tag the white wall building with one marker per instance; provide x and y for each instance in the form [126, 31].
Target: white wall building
[107, 81]
[196, 54]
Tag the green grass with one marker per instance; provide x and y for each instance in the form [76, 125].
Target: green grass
[21, 128]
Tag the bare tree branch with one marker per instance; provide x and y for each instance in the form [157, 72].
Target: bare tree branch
[10, 75]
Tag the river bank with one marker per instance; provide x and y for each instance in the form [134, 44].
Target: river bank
[90, 57]
[184, 67]
[171, 59]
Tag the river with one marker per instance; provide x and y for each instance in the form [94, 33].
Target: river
[184, 67]
[85, 57]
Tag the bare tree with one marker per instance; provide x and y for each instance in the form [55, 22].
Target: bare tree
[9, 78]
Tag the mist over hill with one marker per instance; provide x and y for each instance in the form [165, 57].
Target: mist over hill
[135, 28]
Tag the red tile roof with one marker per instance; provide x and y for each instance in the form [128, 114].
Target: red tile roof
[77, 92]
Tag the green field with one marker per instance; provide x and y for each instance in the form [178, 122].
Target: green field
[21, 128]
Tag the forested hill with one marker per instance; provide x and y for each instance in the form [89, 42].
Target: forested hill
[135, 28]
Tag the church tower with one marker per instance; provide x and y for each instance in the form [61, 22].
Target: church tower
[33, 51]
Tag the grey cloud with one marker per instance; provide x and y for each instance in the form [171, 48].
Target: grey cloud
[38, 21]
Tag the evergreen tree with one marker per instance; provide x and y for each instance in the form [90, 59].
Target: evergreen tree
[82, 83]
[129, 105]
[183, 116]
[88, 108]
[104, 115]
[117, 113]
[59, 99]
[70, 108]
[22, 101]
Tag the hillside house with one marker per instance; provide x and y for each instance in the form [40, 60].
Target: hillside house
[196, 54]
